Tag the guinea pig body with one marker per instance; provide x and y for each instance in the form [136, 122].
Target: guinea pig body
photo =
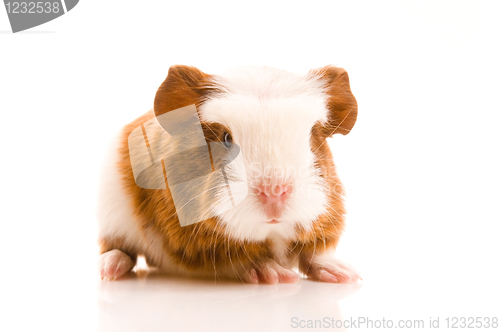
[293, 212]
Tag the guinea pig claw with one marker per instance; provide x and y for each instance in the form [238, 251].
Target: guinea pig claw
[253, 278]
[272, 273]
[326, 276]
[114, 264]
[334, 271]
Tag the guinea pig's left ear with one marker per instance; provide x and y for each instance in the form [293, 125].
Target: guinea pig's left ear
[342, 106]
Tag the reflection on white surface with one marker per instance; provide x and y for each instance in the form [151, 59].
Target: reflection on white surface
[394, 295]
[160, 303]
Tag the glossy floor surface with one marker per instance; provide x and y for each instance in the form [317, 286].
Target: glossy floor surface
[150, 302]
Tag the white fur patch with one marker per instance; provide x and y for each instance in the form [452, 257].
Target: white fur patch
[114, 209]
[270, 114]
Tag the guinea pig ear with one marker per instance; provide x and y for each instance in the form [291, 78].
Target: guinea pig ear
[342, 106]
[183, 86]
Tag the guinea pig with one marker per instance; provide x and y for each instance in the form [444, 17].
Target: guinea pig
[292, 215]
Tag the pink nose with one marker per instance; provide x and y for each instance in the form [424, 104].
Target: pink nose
[273, 194]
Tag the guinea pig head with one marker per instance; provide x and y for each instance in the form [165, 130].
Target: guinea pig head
[280, 122]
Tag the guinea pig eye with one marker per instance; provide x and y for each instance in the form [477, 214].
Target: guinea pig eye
[227, 139]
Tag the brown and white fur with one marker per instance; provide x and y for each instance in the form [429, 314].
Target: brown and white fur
[281, 122]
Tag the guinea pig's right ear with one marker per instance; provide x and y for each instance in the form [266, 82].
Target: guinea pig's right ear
[341, 104]
[183, 86]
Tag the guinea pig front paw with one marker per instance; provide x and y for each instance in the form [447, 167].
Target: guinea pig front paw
[270, 272]
[114, 263]
[331, 270]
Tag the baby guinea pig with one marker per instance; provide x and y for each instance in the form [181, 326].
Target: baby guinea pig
[292, 213]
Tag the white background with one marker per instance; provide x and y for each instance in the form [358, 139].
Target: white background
[420, 167]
